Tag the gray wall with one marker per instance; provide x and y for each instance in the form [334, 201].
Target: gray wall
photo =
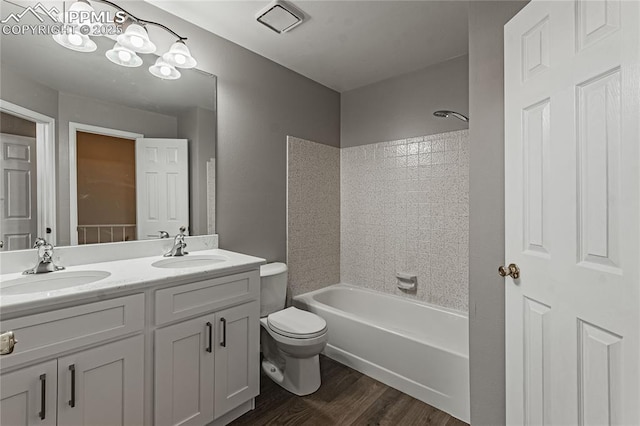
[259, 104]
[196, 125]
[28, 94]
[486, 237]
[13, 125]
[104, 114]
[403, 106]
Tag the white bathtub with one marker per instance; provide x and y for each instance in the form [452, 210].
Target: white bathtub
[417, 348]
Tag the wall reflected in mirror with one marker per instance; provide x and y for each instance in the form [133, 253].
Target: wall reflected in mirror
[94, 152]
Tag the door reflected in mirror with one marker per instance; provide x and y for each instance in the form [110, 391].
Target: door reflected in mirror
[18, 172]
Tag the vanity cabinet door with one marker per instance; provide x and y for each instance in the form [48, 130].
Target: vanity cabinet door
[103, 386]
[184, 369]
[28, 396]
[237, 356]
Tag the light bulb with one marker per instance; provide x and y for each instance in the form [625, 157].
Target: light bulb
[124, 56]
[180, 59]
[164, 70]
[75, 39]
[137, 41]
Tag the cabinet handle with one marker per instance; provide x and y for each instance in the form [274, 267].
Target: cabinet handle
[224, 333]
[43, 396]
[210, 331]
[72, 401]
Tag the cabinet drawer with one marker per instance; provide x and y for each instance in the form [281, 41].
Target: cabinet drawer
[50, 333]
[205, 296]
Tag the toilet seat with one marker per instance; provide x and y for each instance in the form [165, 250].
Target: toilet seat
[296, 323]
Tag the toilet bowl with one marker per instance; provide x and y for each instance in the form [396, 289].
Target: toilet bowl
[291, 339]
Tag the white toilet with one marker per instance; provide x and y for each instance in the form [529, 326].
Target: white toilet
[291, 338]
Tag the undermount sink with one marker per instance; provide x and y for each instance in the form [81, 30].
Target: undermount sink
[50, 281]
[189, 261]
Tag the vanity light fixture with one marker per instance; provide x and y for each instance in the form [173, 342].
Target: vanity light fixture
[120, 55]
[136, 38]
[133, 40]
[179, 56]
[77, 42]
[164, 70]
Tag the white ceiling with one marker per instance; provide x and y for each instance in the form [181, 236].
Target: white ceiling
[344, 44]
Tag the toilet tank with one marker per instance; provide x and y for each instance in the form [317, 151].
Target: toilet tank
[273, 288]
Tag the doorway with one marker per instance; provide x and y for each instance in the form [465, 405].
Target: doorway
[106, 188]
[124, 186]
[102, 183]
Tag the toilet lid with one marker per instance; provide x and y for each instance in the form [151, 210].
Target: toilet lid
[294, 322]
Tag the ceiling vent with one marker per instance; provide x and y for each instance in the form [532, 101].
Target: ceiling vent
[281, 17]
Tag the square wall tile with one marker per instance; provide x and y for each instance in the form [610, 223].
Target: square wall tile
[404, 207]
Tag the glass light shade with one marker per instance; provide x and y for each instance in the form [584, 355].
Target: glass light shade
[135, 38]
[75, 41]
[122, 56]
[164, 70]
[179, 56]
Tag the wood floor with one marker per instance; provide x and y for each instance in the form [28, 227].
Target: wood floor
[346, 397]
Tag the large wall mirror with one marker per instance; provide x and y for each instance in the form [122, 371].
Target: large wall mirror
[94, 152]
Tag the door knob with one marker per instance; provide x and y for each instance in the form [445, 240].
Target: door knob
[512, 270]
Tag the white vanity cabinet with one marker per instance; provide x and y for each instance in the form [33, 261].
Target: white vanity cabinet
[171, 353]
[237, 356]
[184, 373]
[103, 385]
[100, 386]
[28, 396]
[208, 365]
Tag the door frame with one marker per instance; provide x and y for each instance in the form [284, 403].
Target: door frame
[73, 167]
[46, 166]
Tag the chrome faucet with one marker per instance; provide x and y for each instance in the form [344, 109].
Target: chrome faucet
[178, 245]
[45, 259]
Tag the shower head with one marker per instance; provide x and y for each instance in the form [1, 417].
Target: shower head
[446, 114]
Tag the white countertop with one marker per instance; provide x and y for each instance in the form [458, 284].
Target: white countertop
[130, 274]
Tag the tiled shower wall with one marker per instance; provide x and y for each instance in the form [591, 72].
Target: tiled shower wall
[313, 215]
[405, 208]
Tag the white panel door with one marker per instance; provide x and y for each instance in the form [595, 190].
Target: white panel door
[28, 396]
[103, 386]
[572, 186]
[162, 186]
[237, 356]
[18, 197]
[184, 372]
